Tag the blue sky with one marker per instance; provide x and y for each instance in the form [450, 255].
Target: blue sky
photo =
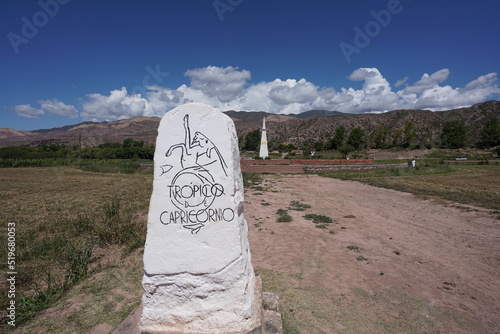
[68, 61]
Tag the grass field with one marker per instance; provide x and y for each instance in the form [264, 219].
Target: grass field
[68, 224]
[78, 235]
[472, 184]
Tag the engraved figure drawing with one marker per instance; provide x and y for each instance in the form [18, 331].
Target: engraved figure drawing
[193, 189]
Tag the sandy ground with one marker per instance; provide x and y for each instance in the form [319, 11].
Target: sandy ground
[442, 255]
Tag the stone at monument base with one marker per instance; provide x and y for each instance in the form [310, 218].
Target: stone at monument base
[202, 303]
[270, 318]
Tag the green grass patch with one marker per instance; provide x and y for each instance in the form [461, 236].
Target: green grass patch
[298, 206]
[130, 166]
[252, 180]
[473, 184]
[318, 219]
[283, 216]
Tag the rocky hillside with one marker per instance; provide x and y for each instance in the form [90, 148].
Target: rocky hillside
[89, 133]
[309, 127]
[428, 124]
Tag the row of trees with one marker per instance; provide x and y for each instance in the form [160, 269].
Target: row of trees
[128, 149]
[453, 135]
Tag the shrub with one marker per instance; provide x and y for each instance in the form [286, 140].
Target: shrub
[318, 218]
[298, 206]
[283, 216]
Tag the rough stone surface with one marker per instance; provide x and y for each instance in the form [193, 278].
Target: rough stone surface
[272, 322]
[198, 275]
[270, 300]
[271, 318]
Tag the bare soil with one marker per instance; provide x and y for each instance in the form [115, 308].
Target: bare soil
[418, 266]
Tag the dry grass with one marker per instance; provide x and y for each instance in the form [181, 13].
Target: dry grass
[43, 203]
[469, 184]
[466, 184]
[66, 221]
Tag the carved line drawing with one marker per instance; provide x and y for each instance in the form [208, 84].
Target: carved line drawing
[193, 187]
[195, 150]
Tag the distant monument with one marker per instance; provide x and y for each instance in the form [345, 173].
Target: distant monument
[198, 277]
[263, 152]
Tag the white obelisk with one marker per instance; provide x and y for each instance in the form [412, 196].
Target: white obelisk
[263, 153]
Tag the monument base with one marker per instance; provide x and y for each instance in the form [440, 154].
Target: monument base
[269, 322]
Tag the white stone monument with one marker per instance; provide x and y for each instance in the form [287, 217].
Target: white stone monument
[198, 277]
[263, 152]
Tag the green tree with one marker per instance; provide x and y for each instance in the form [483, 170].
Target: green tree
[490, 136]
[338, 138]
[409, 134]
[128, 142]
[252, 140]
[356, 138]
[454, 134]
[380, 137]
[345, 149]
[397, 137]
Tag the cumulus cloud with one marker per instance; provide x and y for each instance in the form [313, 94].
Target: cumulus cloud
[446, 97]
[118, 105]
[26, 110]
[228, 88]
[225, 83]
[58, 108]
[292, 91]
[46, 106]
[428, 81]
[401, 82]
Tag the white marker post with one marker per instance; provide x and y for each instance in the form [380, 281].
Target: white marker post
[198, 277]
[263, 152]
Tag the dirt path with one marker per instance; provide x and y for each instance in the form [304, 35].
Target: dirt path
[424, 267]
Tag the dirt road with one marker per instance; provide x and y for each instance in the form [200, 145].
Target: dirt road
[412, 265]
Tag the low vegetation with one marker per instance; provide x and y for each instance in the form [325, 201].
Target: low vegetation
[252, 180]
[318, 219]
[67, 223]
[106, 158]
[466, 183]
[298, 206]
[283, 216]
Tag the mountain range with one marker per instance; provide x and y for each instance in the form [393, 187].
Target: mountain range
[299, 130]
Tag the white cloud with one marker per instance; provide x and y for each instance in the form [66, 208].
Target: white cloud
[225, 83]
[292, 91]
[446, 97]
[428, 81]
[118, 105]
[163, 99]
[401, 82]
[228, 88]
[26, 110]
[58, 108]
